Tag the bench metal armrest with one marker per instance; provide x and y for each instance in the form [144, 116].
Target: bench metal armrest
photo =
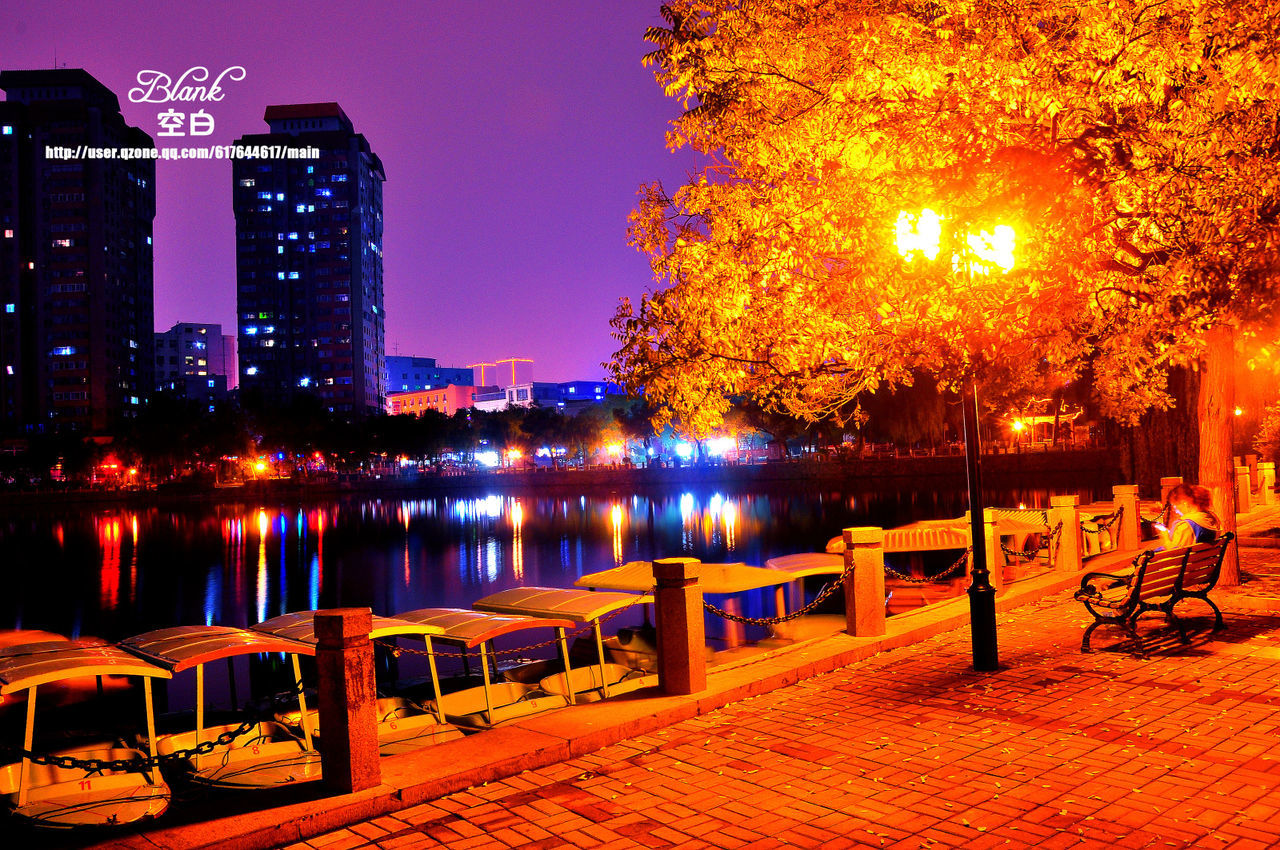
[1086, 583]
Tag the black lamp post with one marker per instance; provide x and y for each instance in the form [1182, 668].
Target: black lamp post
[982, 596]
[922, 234]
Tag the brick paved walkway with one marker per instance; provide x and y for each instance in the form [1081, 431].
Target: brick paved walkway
[909, 749]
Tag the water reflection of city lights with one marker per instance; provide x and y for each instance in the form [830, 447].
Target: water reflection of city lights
[730, 516]
[260, 595]
[616, 516]
[517, 540]
[109, 542]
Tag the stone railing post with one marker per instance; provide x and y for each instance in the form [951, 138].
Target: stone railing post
[1244, 494]
[864, 591]
[1066, 509]
[1267, 482]
[1128, 536]
[1167, 484]
[1251, 461]
[677, 603]
[344, 662]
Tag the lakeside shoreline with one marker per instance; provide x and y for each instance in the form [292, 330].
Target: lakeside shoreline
[1094, 465]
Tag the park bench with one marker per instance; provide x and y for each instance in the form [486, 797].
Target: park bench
[1159, 581]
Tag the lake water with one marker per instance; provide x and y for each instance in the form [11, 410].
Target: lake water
[113, 572]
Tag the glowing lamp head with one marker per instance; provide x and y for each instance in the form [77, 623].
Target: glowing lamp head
[260, 466]
[1018, 425]
[614, 449]
[919, 234]
[1239, 412]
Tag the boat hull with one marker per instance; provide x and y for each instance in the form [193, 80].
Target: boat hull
[65, 797]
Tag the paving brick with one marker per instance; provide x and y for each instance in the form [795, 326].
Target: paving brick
[911, 748]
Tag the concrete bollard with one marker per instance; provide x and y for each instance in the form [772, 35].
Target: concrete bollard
[347, 692]
[1267, 482]
[1125, 496]
[1066, 509]
[682, 659]
[864, 592]
[1244, 496]
[1167, 484]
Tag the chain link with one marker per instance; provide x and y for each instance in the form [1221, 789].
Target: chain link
[828, 589]
[954, 569]
[1104, 525]
[138, 765]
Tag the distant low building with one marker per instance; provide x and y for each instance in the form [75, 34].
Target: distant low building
[194, 350]
[447, 400]
[409, 374]
[208, 390]
[575, 394]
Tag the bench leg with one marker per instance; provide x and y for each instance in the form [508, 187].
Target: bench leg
[1176, 623]
[1218, 624]
[1084, 644]
[1130, 627]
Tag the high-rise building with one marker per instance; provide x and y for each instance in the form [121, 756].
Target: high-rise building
[309, 263]
[75, 256]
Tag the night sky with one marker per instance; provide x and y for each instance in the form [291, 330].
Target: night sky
[514, 137]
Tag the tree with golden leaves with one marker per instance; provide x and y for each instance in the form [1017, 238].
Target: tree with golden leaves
[1133, 147]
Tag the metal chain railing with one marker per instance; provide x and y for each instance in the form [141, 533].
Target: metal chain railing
[1105, 523]
[582, 631]
[1033, 548]
[832, 587]
[138, 765]
[954, 569]
[827, 589]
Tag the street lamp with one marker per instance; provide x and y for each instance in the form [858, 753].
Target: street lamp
[984, 253]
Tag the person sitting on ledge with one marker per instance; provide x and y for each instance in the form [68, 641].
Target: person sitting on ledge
[1191, 517]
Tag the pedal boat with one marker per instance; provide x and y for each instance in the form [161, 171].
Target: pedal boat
[403, 725]
[268, 754]
[584, 684]
[72, 797]
[492, 703]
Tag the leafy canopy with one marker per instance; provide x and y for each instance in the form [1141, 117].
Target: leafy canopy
[1133, 147]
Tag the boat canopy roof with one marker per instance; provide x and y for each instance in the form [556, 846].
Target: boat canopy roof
[807, 564]
[712, 578]
[30, 664]
[472, 628]
[301, 626]
[581, 606]
[183, 647]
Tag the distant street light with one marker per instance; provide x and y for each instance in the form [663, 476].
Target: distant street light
[984, 252]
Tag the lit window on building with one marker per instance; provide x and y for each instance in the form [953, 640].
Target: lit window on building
[11, 308]
[6, 130]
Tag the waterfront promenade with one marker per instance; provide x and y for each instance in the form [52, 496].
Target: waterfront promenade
[908, 748]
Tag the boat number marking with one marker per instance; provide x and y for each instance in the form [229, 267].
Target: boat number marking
[86, 784]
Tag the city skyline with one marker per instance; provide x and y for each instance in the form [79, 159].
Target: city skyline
[513, 151]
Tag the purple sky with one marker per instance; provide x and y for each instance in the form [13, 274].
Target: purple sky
[514, 136]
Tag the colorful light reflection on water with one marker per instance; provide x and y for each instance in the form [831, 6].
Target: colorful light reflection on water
[113, 573]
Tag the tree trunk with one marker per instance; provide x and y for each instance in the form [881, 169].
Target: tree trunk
[1216, 409]
[1167, 442]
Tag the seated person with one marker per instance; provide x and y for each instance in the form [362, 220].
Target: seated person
[1191, 517]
